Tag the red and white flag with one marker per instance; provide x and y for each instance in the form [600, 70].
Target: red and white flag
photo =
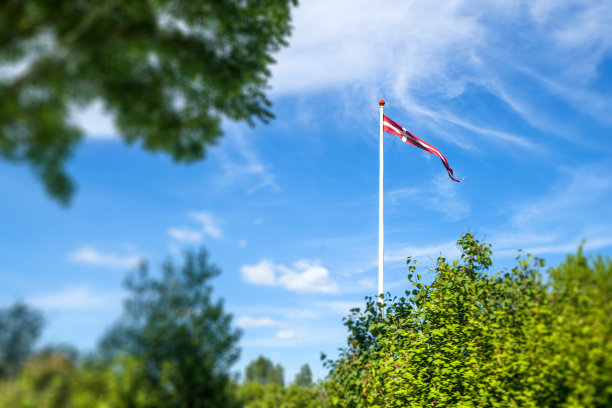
[390, 126]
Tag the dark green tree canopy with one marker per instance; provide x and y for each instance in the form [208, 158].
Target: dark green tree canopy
[180, 338]
[20, 327]
[168, 71]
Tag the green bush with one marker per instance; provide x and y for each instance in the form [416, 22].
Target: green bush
[474, 339]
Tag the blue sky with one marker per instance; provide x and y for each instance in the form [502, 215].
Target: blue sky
[517, 95]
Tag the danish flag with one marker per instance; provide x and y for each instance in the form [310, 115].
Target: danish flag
[390, 126]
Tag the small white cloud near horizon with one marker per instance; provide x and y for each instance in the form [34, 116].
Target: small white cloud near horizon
[76, 298]
[288, 334]
[91, 256]
[306, 276]
[248, 322]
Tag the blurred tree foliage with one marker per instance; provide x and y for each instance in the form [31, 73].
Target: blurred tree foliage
[304, 377]
[43, 383]
[173, 344]
[167, 71]
[257, 395]
[20, 327]
[468, 339]
[474, 339]
[263, 388]
[53, 379]
[263, 371]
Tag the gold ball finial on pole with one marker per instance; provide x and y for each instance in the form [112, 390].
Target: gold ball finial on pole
[381, 102]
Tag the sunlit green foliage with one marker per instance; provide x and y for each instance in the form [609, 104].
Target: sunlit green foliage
[273, 395]
[263, 387]
[304, 377]
[474, 339]
[471, 338]
[167, 71]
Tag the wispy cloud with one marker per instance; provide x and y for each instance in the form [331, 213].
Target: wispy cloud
[186, 234]
[292, 338]
[440, 195]
[248, 322]
[433, 30]
[401, 252]
[288, 334]
[209, 226]
[453, 47]
[305, 276]
[574, 197]
[75, 298]
[241, 164]
[341, 308]
[91, 256]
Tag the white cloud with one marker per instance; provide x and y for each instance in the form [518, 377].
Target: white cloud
[91, 256]
[424, 53]
[242, 243]
[186, 234]
[77, 297]
[259, 274]
[209, 227]
[371, 43]
[209, 224]
[288, 335]
[96, 123]
[247, 322]
[306, 276]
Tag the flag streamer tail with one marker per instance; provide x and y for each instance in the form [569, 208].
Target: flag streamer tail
[390, 126]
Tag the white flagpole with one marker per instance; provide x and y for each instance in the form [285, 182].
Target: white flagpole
[381, 237]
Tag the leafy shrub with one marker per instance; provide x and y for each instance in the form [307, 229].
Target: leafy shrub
[474, 339]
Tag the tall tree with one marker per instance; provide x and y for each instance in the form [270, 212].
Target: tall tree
[263, 370]
[167, 71]
[180, 340]
[304, 377]
[20, 327]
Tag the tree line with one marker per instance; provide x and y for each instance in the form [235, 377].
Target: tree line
[173, 346]
[471, 338]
